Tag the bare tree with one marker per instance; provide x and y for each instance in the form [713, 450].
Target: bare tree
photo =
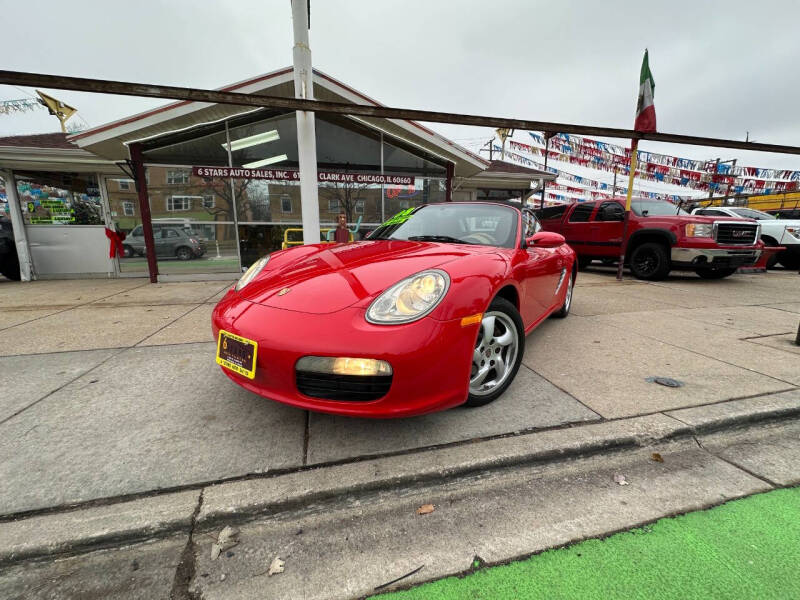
[251, 201]
[346, 194]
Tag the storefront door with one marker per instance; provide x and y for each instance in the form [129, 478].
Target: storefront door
[65, 220]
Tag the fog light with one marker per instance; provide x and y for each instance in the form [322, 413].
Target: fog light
[344, 365]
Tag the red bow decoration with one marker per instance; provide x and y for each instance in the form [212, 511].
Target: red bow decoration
[115, 240]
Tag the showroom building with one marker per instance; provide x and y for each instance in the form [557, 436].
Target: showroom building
[218, 184]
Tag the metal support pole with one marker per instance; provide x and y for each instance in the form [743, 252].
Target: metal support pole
[26, 271]
[615, 182]
[448, 184]
[629, 194]
[383, 187]
[233, 200]
[144, 210]
[544, 181]
[306, 136]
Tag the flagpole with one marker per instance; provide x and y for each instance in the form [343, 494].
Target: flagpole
[634, 153]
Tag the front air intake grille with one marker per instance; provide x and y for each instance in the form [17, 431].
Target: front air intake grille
[349, 388]
[738, 234]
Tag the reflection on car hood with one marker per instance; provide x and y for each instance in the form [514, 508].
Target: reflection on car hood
[324, 278]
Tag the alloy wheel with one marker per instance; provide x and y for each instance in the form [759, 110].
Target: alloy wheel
[495, 353]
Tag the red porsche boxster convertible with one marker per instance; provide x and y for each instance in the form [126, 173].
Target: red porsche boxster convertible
[428, 312]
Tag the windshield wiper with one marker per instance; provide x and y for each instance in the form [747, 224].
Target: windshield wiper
[436, 238]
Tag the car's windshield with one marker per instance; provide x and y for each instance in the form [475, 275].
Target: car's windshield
[749, 213]
[653, 208]
[482, 224]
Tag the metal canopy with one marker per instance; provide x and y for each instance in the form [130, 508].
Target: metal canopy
[221, 97]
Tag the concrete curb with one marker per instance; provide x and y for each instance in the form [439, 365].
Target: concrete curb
[96, 527]
[735, 413]
[82, 530]
[244, 499]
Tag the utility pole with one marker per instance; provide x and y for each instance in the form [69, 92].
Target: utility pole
[489, 147]
[717, 163]
[711, 187]
[306, 137]
[728, 187]
[547, 137]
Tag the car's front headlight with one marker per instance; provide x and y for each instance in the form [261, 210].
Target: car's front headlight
[410, 299]
[793, 231]
[251, 273]
[705, 230]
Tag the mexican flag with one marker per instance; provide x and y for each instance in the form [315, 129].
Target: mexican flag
[645, 109]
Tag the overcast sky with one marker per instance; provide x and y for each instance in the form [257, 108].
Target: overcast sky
[721, 69]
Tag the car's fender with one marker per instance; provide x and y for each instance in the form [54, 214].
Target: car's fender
[474, 282]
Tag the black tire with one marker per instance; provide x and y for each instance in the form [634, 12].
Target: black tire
[184, 253]
[564, 310]
[583, 262]
[9, 266]
[650, 261]
[790, 261]
[715, 273]
[505, 314]
[127, 251]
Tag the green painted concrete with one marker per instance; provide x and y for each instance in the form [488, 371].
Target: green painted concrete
[747, 548]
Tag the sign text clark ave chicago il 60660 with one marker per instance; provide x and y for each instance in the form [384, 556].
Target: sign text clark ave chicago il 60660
[293, 175]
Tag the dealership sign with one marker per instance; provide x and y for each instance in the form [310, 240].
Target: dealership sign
[292, 175]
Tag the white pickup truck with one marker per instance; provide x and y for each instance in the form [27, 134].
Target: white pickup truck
[774, 232]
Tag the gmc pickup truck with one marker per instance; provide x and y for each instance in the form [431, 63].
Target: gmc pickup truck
[661, 237]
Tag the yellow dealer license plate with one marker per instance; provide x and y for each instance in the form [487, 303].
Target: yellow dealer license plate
[237, 353]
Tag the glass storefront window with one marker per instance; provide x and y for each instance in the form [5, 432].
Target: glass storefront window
[175, 194]
[184, 247]
[59, 198]
[4, 209]
[267, 211]
[204, 150]
[267, 144]
[123, 204]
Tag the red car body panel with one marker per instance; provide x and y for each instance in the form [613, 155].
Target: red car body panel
[333, 285]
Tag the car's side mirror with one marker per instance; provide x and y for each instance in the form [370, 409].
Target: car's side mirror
[545, 239]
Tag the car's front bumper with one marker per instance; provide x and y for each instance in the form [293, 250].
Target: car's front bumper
[714, 257]
[430, 359]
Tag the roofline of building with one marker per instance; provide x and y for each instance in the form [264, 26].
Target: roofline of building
[40, 154]
[434, 137]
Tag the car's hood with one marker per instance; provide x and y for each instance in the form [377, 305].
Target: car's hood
[785, 222]
[325, 278]
[707, 219]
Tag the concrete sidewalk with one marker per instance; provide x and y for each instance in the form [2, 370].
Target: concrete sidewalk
[110, 387]
[115, 421]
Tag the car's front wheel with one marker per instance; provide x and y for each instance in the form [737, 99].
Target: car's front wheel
[127, 251]
[498, 353]
[789, 261]
[184, 253]
[650, 261]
